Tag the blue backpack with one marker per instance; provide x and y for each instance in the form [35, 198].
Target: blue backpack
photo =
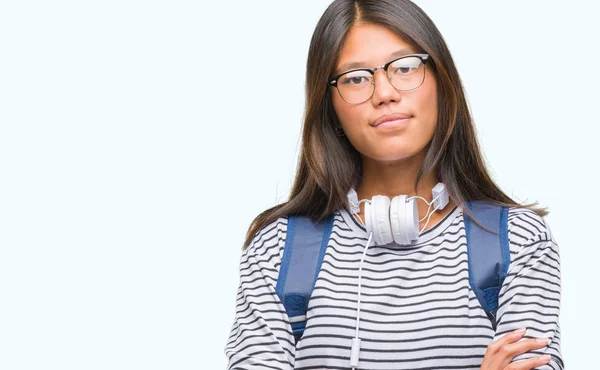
[306, 242]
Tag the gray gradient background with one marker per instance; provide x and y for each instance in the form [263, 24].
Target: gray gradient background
[138, 139]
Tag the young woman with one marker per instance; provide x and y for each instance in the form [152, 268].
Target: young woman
[386, 115]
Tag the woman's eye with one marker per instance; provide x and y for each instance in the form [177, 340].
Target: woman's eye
[406, 66]
[355, 80]
[404, 70]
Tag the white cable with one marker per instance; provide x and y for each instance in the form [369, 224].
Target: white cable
[356, 214]
[355, 347]
[427, 221]
[359, 282]
[426, 202]
[426, 213]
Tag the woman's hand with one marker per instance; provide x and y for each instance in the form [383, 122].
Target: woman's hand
[500, 353]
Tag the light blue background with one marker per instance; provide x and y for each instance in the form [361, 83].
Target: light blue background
[138, 139]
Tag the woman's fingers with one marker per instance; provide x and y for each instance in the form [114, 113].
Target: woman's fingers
[511, 337]
[510, 351]
[530, 363]
[500, 353]
[525, 345]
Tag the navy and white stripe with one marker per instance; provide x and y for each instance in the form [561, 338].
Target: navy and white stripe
[417, 308]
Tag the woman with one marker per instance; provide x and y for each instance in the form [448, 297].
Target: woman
[386, 115]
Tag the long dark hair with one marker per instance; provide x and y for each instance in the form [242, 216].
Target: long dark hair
[329, 165]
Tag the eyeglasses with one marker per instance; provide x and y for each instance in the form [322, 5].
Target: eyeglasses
[358, 85]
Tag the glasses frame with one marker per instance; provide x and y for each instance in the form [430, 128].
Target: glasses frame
[333, 81]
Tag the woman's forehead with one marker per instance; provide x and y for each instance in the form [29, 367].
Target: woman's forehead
[368, 45]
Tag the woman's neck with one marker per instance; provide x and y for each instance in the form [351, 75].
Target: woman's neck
[396, 178]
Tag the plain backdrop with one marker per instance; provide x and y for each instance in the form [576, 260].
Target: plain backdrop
[138, 140]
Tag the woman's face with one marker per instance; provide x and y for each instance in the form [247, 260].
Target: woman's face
[373, 45]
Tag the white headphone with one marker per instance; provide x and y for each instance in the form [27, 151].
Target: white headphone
[396, 220]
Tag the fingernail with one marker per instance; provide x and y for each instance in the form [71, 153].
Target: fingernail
[542, 340]
[545, 358]
[520, 331]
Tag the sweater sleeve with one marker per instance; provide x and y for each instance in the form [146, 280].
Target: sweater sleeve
[530, 295]
[261, 335]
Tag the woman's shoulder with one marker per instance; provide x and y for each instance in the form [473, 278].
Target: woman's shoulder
[525, 225]
[529, 234]
[268, 242]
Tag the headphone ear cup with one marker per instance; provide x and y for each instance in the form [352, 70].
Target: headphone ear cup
[412, 220]
[380, 219]
[397, 219]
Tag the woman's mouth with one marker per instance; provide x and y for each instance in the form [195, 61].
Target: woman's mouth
[396, 123]
[392, 120]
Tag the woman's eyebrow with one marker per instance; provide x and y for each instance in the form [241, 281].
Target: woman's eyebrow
[350, 65]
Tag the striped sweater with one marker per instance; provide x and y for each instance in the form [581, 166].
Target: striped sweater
[417, 308]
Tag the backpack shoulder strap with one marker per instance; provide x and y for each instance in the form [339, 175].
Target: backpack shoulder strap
[488, 254]
[303, 253]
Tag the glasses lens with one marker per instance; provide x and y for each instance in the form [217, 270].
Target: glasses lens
[356, 86]
[406, 73]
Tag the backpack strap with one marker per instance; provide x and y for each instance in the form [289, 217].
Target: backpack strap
[488, 254]
[303, 253]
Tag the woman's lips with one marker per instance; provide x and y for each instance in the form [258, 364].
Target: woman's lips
[393, 124]
[390, 117]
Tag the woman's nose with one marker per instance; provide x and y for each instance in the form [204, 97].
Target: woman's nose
[384, 91]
